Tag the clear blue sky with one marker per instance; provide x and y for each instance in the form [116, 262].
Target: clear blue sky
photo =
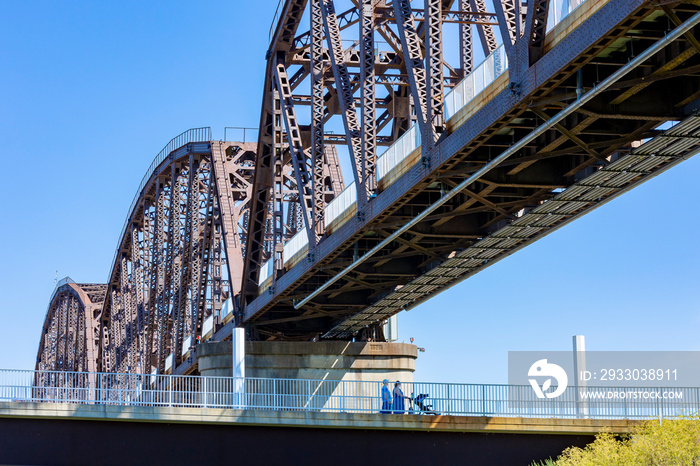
[91, 91]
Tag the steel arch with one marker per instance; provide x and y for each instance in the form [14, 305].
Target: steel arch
[70, 335]
[177, 271]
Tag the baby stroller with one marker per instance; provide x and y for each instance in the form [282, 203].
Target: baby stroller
[419, 405]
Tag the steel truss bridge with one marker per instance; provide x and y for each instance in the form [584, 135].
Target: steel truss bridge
[456, 163]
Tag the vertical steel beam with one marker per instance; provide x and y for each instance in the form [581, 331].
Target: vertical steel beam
[215, 263]
[346, 99]
[149, 247]
[536, 28]
[317, 114]
[160, 316]
[299, 157]
[466, 48]
[125, 305]
[170, 262]
[486, 34]
[81, 357]
[277, 188]
[71, 329]
[368, 99]
[138, 286]
[61, 335]
[186, 254]
[176, 265]
[195, 258]
[114, 325]
[508, 14]
[108, 357]
[434, 64]
[205, 247]
[414, 67]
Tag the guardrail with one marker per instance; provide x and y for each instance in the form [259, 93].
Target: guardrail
[295, 244]
[464, 92]
[340, 203]
[338, 395]
[266, 271]
[399, 150]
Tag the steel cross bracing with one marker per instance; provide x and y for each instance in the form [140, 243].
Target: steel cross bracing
[380, 81]
[300, 160]
[499, 211]
[182, 244]
[71, 332]
[628, 171]
[178, 269]
[69, 340]
[317, 116]
[415, 67]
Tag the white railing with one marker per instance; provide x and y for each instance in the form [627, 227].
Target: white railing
[335, 395]
[266, 271]
[295, 244]
[208, 325]
[560, 9]
[186, 344]
[340, 204]
[483, 75]
[399, 150]
[227, 308]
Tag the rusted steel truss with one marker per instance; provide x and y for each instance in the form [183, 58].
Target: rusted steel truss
[373, 68]
[179, 257]
[496, 214]
[70, 340]
[178, 270]
[70, 335]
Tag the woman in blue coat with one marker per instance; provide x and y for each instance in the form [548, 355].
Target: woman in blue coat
[398, 398]
[386, 398]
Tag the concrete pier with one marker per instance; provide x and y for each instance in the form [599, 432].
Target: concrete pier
[332, 360]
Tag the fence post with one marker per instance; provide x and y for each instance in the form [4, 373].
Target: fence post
[170, 390]
[204, 386]
[449, 399]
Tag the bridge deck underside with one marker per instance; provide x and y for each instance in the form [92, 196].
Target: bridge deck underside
[588, 159]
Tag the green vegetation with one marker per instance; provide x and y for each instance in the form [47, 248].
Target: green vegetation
[670, 443]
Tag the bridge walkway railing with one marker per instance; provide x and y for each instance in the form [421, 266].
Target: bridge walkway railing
[343, 396]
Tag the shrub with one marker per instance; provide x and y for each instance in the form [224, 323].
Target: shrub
[674, 442]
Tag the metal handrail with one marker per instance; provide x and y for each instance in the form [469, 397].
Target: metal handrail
[187, 137]
[350, 396]
[244, 128]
